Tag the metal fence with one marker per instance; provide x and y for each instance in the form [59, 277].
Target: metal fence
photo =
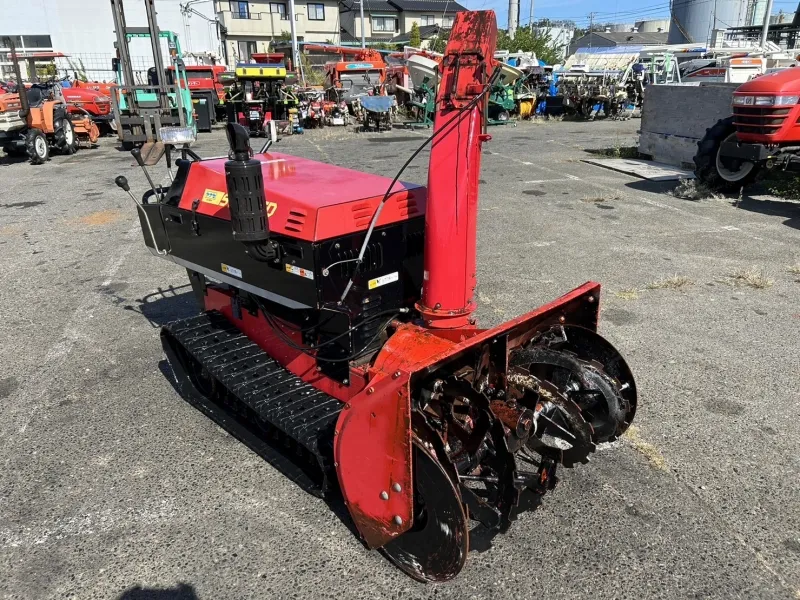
[97, 67]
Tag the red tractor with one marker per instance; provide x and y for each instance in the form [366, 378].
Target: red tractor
[93, 103]
[205, 81]
[763, 133]
[338, 335]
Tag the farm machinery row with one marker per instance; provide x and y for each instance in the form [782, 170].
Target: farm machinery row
[36, 119]
[611, 81]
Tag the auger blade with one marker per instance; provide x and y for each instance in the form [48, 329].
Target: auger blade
[435, 548]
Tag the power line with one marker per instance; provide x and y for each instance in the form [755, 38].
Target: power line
[646, 11]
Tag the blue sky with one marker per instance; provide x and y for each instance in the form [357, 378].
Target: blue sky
[615, 11]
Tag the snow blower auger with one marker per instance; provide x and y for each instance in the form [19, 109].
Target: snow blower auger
[314, 341]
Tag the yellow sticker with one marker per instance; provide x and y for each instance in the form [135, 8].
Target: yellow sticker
[383, 280]
[218, 198]
[215, 197]
[298, 271]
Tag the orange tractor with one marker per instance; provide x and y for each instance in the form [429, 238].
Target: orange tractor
[362, 73]
[36, 119]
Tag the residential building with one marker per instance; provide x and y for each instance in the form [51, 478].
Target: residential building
[427, 33]
[84, 29]
[390, 21]
[560, 37]
[250, 26]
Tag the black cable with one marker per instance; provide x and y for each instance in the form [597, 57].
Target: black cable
[392, 311]
[445, 129]
[277, 326]
[309, 352]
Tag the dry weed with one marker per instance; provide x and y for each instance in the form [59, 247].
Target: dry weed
[646, 449]
[627, 294]
[751, 277]
[691, 189]
[676, 282]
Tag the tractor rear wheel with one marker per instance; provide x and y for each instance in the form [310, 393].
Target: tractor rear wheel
[37, 147]
[65, 138]
[716, 170]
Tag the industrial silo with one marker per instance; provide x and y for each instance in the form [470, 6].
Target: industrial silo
[755, 12]
[653, 26]
[696, 20]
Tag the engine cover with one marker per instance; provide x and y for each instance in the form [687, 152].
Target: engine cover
[318, 216]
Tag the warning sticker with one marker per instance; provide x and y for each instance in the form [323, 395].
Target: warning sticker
[383, 280]
[215, 197]
[231, 270]
[219, 198]
[298, 271]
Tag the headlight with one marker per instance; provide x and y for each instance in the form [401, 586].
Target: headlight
[786, 100]
[765, 100]
[103, 99]
[177, 135]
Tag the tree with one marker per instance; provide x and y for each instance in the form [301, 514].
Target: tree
[439, 42]
[525, 40]
[414, 39]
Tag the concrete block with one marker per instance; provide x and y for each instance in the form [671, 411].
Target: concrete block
[676, 117]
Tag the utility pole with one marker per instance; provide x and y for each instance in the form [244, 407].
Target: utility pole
[765, 29]
[513, 17]
[591, 27]
[295, 53]
[530, 17]
[363, 39]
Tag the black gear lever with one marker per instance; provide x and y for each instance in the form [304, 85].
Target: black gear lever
[137, 155]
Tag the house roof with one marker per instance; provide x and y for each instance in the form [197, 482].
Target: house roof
[438, 7]
[425, 32]
[629, 38]
[435, 6]
[370, 6]
[348, 39]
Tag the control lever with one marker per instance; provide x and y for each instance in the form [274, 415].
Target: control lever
[122, 183]
[168, 152]
[272, 137]
[137, 155]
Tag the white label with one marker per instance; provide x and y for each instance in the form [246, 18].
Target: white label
[254, 114]
[298, 271]
[383, 280]
[338, 121]
[231, 270]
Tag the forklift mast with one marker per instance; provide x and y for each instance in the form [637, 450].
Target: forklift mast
[149, 106]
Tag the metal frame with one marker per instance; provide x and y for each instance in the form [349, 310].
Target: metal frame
[151, 118]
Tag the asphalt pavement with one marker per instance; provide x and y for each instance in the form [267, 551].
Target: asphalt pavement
[113, 487]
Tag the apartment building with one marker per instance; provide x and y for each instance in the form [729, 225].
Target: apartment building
[390, 21]
[250, 26]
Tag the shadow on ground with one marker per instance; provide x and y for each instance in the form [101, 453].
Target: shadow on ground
[652, 187]
[182, 591]
[789, 209]
[166, 305]
[10, 159]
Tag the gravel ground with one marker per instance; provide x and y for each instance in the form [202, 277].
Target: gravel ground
[113, 487]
